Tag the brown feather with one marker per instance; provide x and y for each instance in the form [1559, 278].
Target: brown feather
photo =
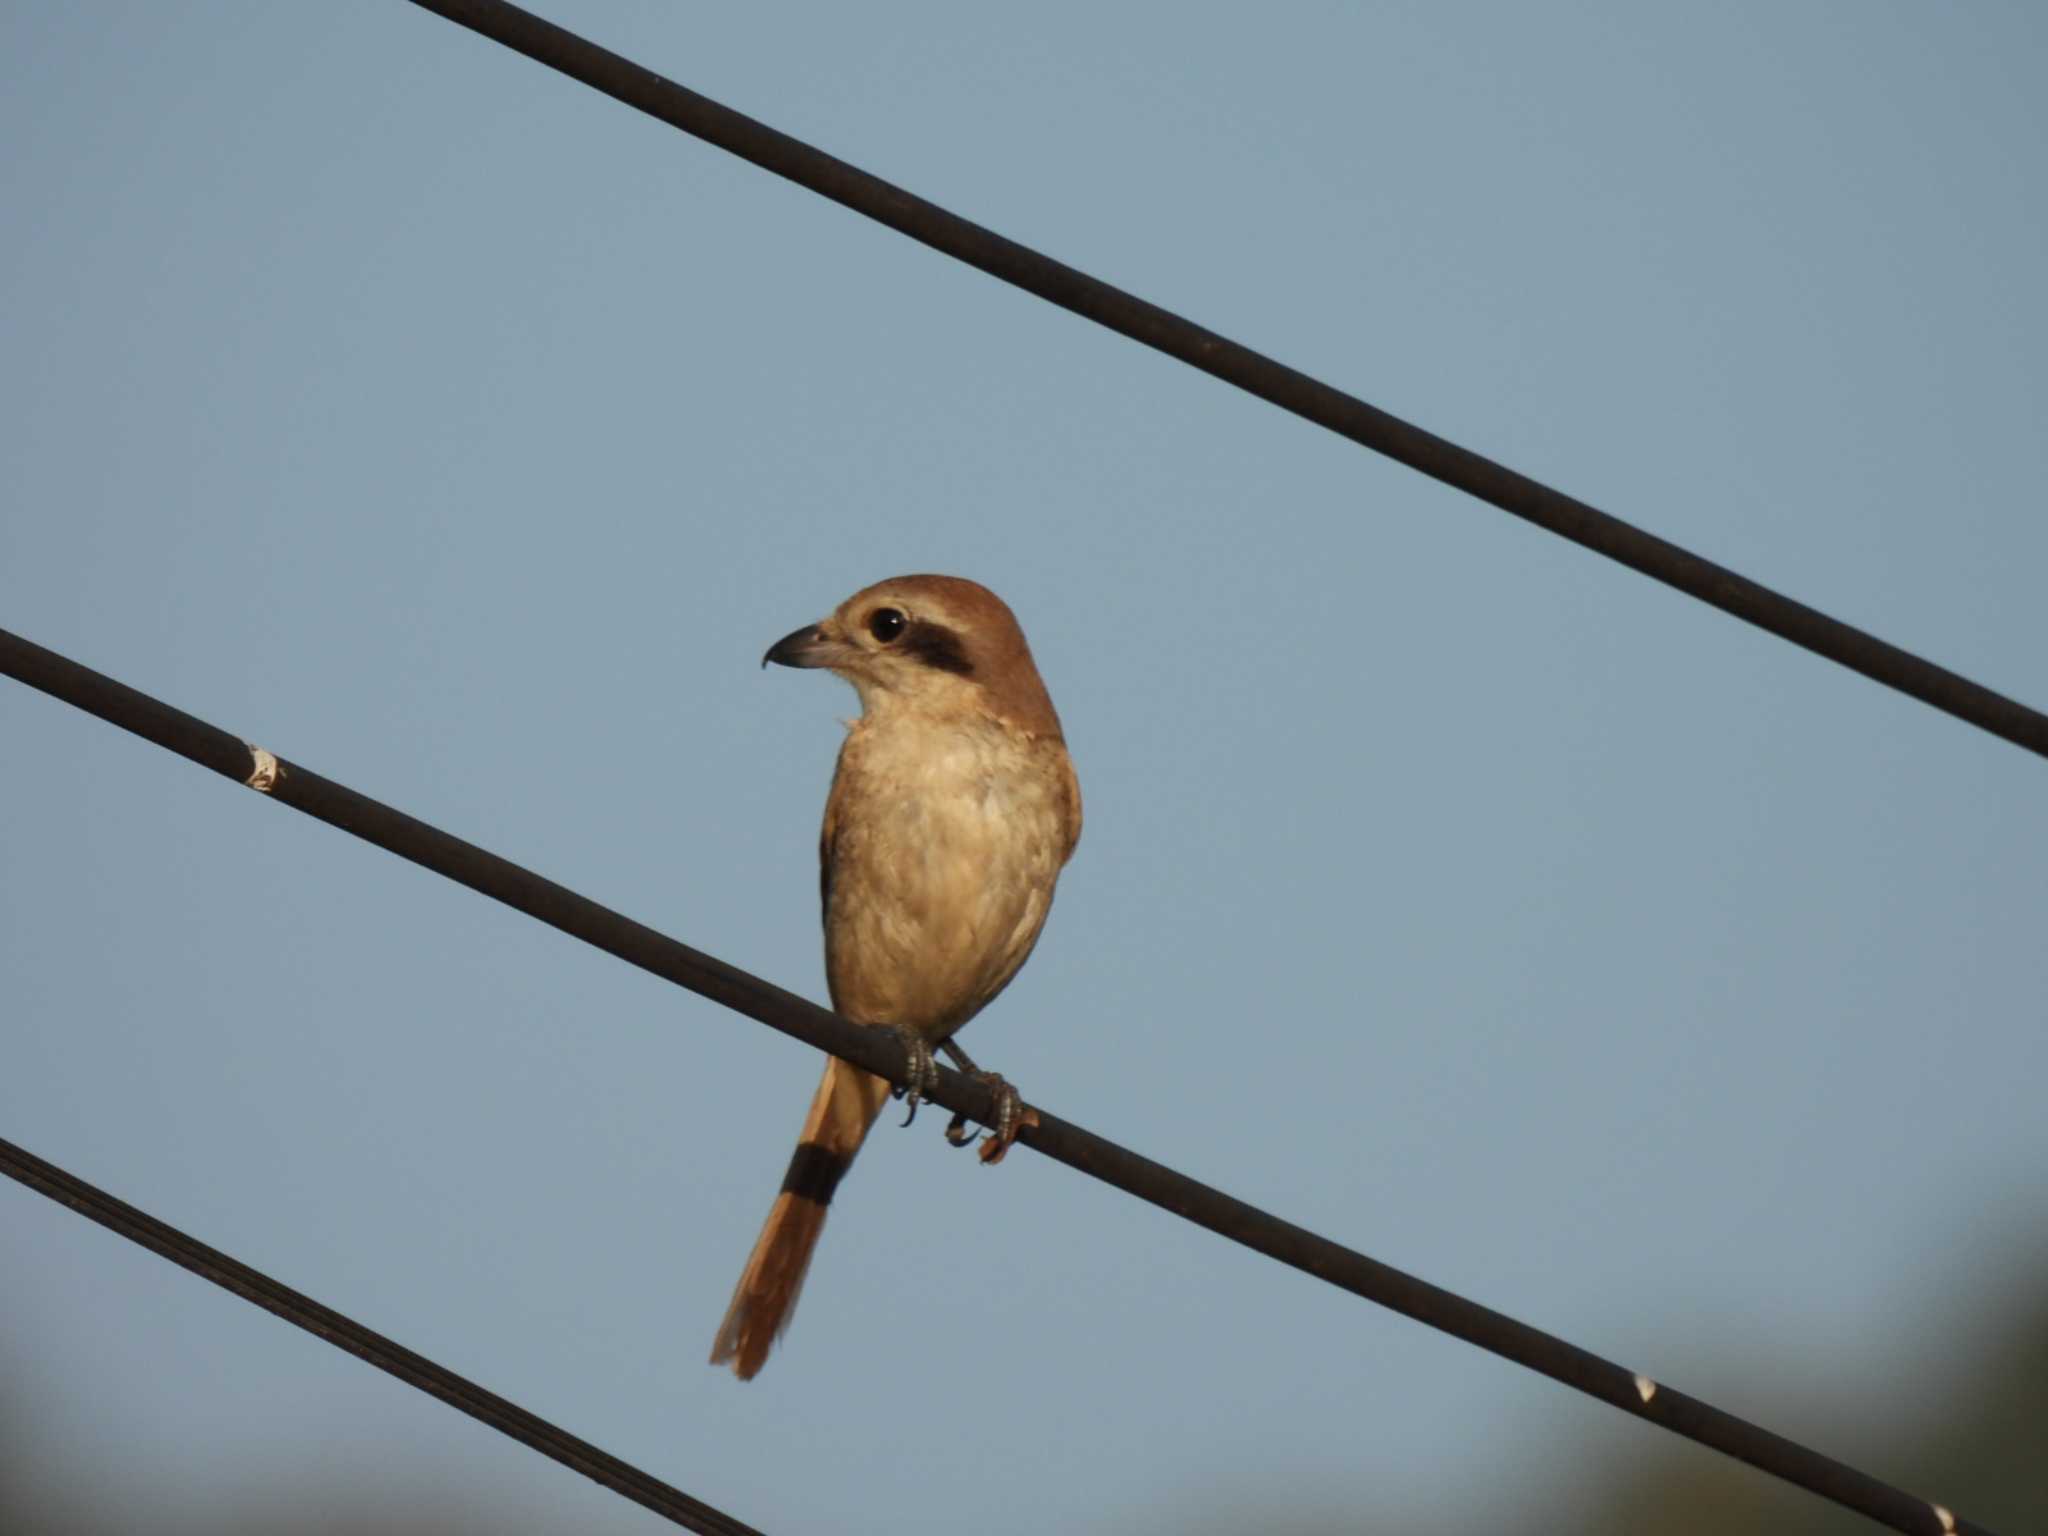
[845, 1105]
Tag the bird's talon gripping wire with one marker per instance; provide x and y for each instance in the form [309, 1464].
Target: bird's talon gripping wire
[1009, 1111]
[1011, 1117]
[920, 1074]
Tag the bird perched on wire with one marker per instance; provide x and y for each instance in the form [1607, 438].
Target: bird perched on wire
[953, 810]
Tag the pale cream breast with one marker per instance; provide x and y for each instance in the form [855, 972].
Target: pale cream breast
[945, 840]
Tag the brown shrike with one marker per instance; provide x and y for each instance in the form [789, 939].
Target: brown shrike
[952, 811]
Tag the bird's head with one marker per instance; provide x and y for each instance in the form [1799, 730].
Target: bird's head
[929, 644]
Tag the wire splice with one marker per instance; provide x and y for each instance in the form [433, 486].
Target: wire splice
[263, 776]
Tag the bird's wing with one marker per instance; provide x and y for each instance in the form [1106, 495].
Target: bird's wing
[828, 835]
[1072, 786]
[827, 838]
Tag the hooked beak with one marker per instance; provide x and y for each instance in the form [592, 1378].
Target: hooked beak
[806, 647]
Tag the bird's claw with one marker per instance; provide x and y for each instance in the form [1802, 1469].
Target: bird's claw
[920, 1073]
[1012, 1115]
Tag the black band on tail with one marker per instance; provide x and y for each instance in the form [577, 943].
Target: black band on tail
[814, 1172]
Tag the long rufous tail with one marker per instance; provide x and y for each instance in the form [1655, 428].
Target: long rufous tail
[846, 1104]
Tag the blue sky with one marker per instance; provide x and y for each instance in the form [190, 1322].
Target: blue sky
[458, 433]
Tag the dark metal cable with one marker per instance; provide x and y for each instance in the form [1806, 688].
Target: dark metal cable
[1344, 414]
[345, 1333]
[879, 1052]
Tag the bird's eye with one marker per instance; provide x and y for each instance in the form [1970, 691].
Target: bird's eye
[885, 624]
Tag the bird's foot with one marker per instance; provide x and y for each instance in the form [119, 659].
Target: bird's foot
[920, 1072]
[1012, 1115]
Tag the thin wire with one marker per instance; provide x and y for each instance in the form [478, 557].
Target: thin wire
[1309, 398]
[879, 1052]
[345, 1333]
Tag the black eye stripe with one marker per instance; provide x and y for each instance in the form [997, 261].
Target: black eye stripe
[939, 647]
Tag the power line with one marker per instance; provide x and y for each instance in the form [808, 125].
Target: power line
[1344, 414]
[879, 1052]
[345, 1333]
